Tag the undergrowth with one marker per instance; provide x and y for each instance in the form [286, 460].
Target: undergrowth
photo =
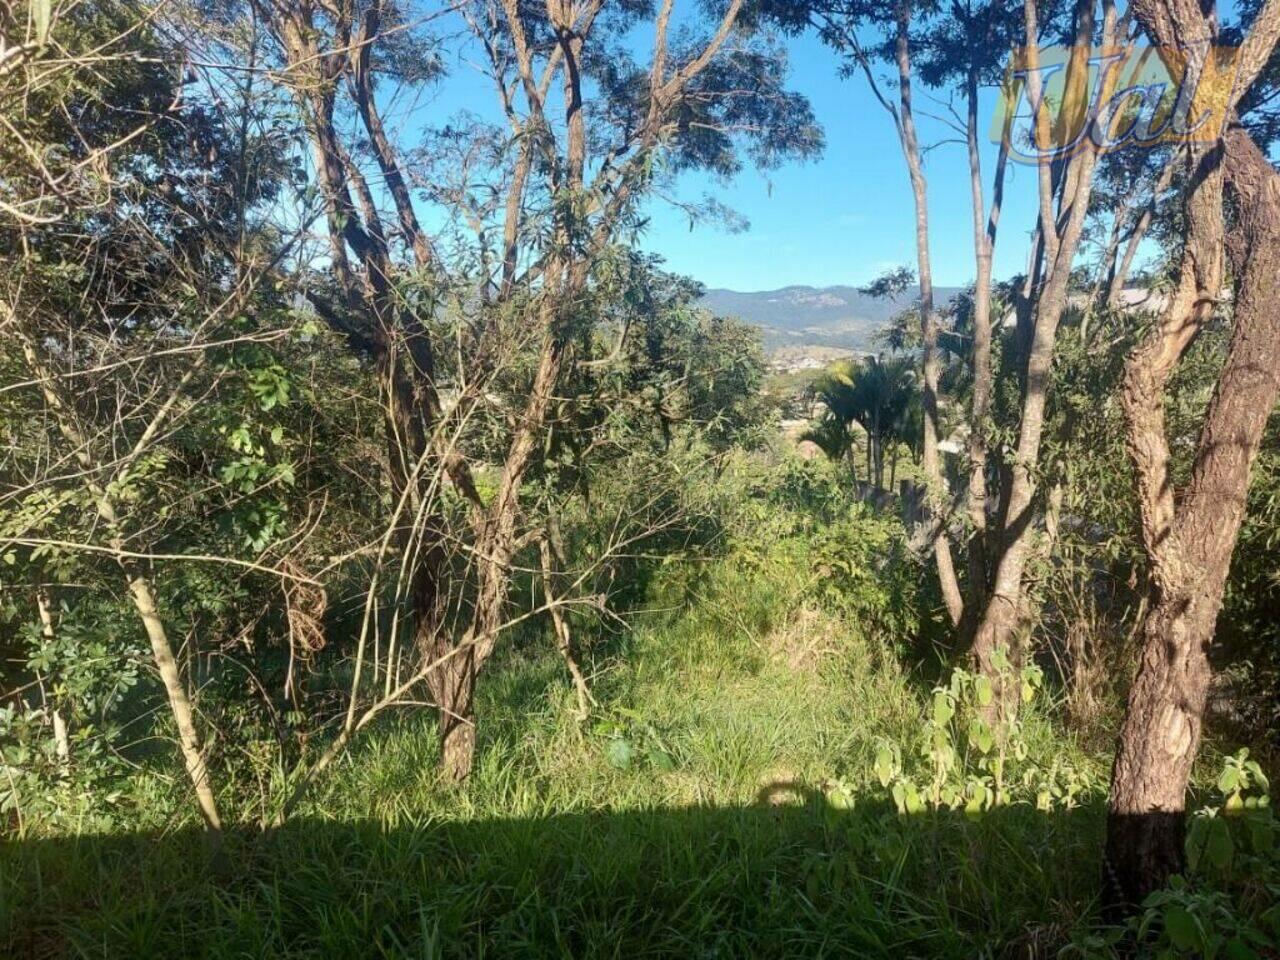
[770, 773]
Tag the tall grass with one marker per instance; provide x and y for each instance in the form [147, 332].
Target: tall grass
[733, 849]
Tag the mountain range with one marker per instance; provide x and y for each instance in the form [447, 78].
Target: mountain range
[801, 316]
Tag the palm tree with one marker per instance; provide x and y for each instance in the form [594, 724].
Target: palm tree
[832, 430]
[877, 394]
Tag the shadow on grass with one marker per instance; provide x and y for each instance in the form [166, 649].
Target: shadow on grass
[789, 876]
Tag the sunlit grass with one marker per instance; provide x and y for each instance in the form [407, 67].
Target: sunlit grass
[550, 850]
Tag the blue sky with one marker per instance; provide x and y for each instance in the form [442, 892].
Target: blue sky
[842, 219]
[846, 217]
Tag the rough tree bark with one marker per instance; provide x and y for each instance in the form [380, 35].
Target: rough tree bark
[1189, 539]
[1190, 546]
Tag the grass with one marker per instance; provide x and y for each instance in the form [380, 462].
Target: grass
[551, 851]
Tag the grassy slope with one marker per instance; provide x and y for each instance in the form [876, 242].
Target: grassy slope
[551, 851]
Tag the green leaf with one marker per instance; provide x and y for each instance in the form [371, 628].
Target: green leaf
[982, 690]
[1262, 834]
[839, 798]
[604, 728]
[1219, 847]
[1181, 927]
[944, 755]
[661, 759]
[619, 753]
[884, 765]
[942, 708]
[1229, 780]
[1195, 841]
[913, 802]
[900, 797]
[980, 736]
[1259, 778]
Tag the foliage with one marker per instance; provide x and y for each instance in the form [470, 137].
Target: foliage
[975, 759]
[879, 395]
[714, 759]
[1229, 903]
[802, 523]
[210, 390]
[87, 672]
[767, 837]
[629, 739]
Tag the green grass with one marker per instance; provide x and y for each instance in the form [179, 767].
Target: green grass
[549, 851]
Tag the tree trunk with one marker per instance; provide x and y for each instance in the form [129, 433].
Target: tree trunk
[1157, 745]
[1005, 613]
[402, 350]
[139, 586]
[984, 237]
[496, 545]
[1190, 540]
[61, 741]
[877, 461]
[931, 463]
[179, 703]
[452, 685]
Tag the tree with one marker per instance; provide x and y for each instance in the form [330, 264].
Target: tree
[568, 190]
[839, 24]
[966, 49]
[1190, 535]
[134, 254]
[1043, 302]
[877, 394]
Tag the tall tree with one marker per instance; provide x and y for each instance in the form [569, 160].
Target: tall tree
[1190, 535]
[966, 49]
[1065, 186]
[695, 102]
[840, 24]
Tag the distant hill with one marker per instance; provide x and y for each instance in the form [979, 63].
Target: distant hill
[815, 316]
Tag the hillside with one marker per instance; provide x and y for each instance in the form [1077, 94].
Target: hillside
[836, 316]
